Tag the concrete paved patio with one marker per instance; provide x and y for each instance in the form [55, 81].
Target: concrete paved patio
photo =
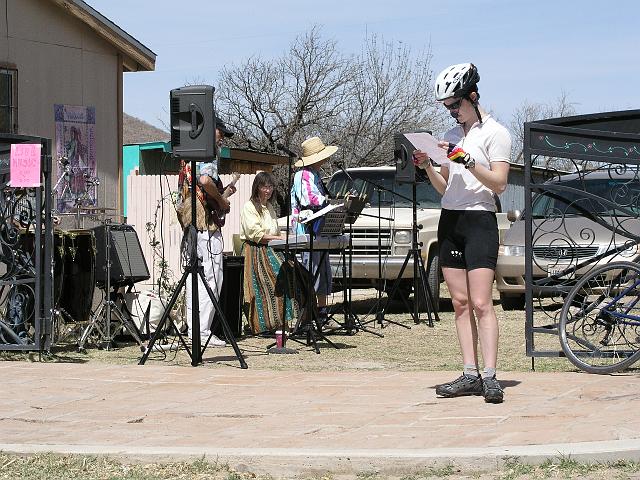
[287, 422]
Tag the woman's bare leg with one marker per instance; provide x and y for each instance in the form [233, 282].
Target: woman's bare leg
[465, 323]
[480, 293]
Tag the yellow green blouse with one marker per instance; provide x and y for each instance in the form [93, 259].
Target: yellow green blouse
[253, 225]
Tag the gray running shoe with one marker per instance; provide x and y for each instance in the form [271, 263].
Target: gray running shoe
[330, 325]
[492, 390]
[461, 386]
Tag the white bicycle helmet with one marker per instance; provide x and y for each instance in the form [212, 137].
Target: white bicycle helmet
[456, 81]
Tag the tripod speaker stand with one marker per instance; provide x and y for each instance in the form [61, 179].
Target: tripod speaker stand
[193, 131]
[406, 174]
[420, 281]
[194, 269]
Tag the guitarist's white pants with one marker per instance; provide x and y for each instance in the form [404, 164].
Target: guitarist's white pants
[210, 247]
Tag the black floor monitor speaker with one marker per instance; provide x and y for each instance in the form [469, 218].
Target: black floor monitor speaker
[231, 295]
[128, 265]
[192, 122]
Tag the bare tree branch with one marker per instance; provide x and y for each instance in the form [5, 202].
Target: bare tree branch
[528, 112]
[356, 102]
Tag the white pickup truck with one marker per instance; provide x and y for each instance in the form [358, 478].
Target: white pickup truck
[392, 238]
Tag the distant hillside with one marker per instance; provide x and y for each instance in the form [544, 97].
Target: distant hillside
[135, 130]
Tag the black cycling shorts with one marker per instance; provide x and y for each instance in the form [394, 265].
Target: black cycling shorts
[468, 239]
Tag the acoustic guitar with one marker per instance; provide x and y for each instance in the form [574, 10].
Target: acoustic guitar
[207, 209]
[219, 215]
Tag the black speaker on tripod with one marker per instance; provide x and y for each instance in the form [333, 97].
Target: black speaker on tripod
[128, 265]
[192, 122]
[403, 156]
[231, 295]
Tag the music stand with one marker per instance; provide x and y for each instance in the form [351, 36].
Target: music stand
[332, 225]
[353, 207]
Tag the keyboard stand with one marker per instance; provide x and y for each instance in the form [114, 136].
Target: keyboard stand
[309, 327]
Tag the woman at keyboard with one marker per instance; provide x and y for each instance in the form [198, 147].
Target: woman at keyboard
[262, 264]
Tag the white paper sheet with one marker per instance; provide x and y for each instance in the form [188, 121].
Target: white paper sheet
[323, 211]
[429, 145]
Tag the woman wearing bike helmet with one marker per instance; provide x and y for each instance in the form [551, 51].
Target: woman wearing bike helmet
[478, 149]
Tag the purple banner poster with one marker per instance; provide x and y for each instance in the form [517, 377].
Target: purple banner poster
[76, 157]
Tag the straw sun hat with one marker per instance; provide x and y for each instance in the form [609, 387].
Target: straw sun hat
[314, 151]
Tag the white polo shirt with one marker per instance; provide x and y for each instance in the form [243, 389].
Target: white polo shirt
[486, 142]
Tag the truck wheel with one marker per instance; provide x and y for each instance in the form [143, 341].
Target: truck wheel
[512, 302]
[433, 278]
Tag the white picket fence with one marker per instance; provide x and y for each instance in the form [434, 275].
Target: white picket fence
[146, 192]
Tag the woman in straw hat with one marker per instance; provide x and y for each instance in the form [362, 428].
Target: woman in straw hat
[310, 194]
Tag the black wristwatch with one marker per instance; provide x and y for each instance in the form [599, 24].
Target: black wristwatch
[470, 163]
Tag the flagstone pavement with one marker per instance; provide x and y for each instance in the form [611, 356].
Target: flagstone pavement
[289, 422]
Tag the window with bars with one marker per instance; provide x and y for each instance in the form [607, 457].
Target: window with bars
[8, 100]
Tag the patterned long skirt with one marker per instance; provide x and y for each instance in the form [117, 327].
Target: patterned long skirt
[266, 279]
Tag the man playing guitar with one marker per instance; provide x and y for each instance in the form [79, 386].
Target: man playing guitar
[211, 206]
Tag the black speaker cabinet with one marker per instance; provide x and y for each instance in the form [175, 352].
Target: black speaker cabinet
[231, 295]
[192, 122]
[128, 265]
[403, 155]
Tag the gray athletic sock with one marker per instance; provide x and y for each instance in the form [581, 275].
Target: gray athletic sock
[470, 370]
[489, 372]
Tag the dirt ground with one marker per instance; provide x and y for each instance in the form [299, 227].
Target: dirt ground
[392, 341]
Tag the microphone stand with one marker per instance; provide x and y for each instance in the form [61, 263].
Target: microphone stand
[352, 321]
[380, 312]
[285, 333]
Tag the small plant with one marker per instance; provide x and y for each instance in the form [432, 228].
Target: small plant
[166, 282]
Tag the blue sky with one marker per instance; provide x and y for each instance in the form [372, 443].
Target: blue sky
[525, 51]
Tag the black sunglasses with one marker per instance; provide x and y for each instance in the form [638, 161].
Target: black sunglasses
[453, 106]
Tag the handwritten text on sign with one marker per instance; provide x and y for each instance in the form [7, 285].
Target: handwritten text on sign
[25, 165]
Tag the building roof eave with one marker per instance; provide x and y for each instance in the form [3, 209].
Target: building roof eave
[137, 57]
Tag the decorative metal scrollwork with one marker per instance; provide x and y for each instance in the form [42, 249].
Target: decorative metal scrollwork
[585, 212]
[17, 266]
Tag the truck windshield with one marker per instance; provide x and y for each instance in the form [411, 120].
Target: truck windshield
[364, 182]
[623, 195]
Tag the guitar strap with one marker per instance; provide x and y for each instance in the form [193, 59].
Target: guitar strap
[204, 220]
[185, 180]
[316, 225]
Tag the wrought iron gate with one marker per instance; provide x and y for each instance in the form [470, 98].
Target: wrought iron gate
[585, 212]
[26, 284]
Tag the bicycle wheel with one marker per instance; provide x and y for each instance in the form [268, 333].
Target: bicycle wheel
[599, 323]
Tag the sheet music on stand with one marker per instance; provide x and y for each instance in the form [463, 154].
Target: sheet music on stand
[333, 216]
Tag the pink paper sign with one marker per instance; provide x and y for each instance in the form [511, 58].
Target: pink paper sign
[25, 165]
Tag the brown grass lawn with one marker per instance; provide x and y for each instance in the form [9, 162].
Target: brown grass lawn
[419, 347]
